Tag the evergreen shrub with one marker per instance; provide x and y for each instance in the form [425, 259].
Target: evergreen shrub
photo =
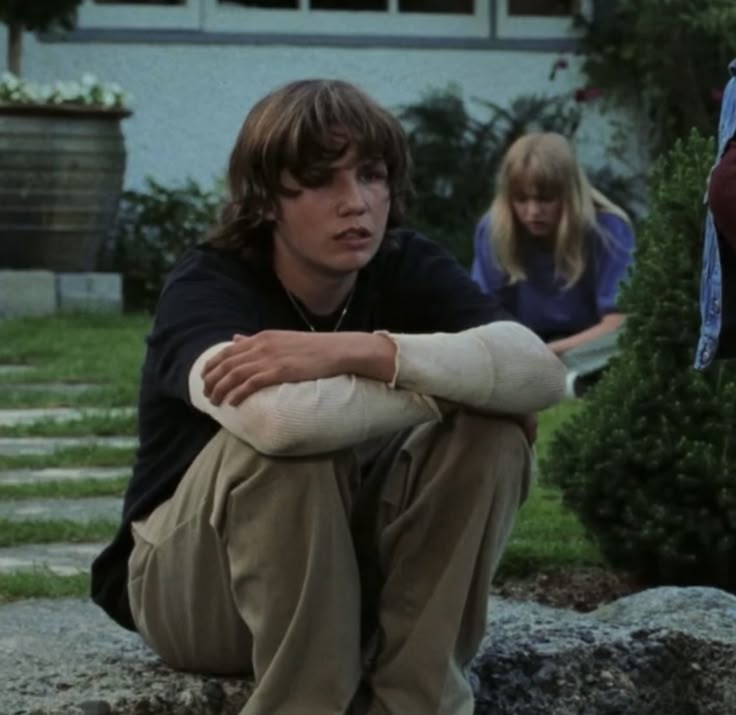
[153, 229]
[649, 462]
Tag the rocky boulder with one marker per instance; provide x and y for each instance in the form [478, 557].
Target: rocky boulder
[666, 651]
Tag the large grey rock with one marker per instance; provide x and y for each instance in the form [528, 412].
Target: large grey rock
[662, 652]
[65, 657]
[665, 651]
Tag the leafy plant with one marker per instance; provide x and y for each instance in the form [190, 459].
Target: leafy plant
[31, 15]
[664, 59]
[649, 463]
[153, 229]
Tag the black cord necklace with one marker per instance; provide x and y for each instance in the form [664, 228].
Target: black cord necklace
[306, 320]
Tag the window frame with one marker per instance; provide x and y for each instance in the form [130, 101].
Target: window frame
[304, 21]
[147, 17]
[545, 27]
[203, 22]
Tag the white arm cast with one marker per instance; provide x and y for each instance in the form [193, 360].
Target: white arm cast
[499, 367]
[301, 418]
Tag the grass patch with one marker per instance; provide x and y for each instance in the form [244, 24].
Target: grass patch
[66, 489]
[92, 348]
[547, 535]
[100, 425]
[550, 420]
[41, 583]
[81, 456]
[108, 351]
[15, 533]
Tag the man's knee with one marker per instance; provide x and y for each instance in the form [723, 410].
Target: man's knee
[313, 481]
[497, 445]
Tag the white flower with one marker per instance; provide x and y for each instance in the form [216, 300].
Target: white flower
[89, 91]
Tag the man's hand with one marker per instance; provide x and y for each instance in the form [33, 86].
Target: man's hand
[273, 357]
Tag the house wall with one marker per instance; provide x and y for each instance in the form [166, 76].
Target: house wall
[189, 99]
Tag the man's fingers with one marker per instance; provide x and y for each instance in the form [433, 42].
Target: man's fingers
[251, 385]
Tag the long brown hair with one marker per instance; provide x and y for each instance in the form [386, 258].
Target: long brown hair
[303, 128]
[546, 161]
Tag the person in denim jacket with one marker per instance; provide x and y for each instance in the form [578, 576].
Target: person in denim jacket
[718, 279]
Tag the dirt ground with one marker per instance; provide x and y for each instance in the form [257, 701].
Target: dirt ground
[582, 589]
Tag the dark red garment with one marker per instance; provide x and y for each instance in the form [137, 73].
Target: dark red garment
[722, 195]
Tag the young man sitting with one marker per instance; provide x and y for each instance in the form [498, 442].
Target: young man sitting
[331, 456]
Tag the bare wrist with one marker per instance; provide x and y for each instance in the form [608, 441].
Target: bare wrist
[370, 355]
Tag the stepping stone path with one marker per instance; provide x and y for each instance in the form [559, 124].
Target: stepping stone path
[60, 474]
[12, 417]
[64, 388]
[62, 559]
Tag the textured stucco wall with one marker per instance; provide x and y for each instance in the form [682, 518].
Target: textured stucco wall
[189, 100]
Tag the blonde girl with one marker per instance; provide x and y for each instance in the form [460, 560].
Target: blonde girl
[553, 250]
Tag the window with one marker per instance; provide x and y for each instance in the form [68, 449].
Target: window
[538, 19]
[139, 2]
[379, 5]
[449, 7]
[412, 18]
[271, 4]
[454, 20]
[140, 14]
[542, 8]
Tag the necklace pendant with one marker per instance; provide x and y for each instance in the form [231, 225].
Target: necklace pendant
[295, 302]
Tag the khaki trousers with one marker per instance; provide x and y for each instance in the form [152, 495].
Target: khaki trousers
[349, 582]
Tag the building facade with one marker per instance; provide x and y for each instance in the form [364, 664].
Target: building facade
[193, 68]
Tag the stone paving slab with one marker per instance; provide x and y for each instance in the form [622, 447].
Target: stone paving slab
[19, 446]
[58, 474]
[61, 559]
[27, 416]
[79, 510]
[67, 388]
[14, 369]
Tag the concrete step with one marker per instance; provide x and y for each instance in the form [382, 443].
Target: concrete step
[58, 474]
[15, 369]
[63, 388]
[79, 510]
[27, 416]
[18, 446]
[61, 559]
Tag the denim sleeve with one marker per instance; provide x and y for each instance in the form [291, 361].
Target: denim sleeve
[614, 258]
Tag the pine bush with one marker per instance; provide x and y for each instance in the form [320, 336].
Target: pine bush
[649, 462]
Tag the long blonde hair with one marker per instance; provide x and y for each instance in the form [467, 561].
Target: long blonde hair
[545, 160]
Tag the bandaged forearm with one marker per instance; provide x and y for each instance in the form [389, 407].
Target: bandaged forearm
[499, 367]
[315, 416]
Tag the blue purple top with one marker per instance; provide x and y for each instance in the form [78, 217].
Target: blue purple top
[541, 301]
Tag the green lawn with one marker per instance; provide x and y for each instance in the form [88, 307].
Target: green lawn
[107, 351]
[104, 350]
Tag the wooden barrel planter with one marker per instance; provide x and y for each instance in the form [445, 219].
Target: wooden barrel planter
[61, 176]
